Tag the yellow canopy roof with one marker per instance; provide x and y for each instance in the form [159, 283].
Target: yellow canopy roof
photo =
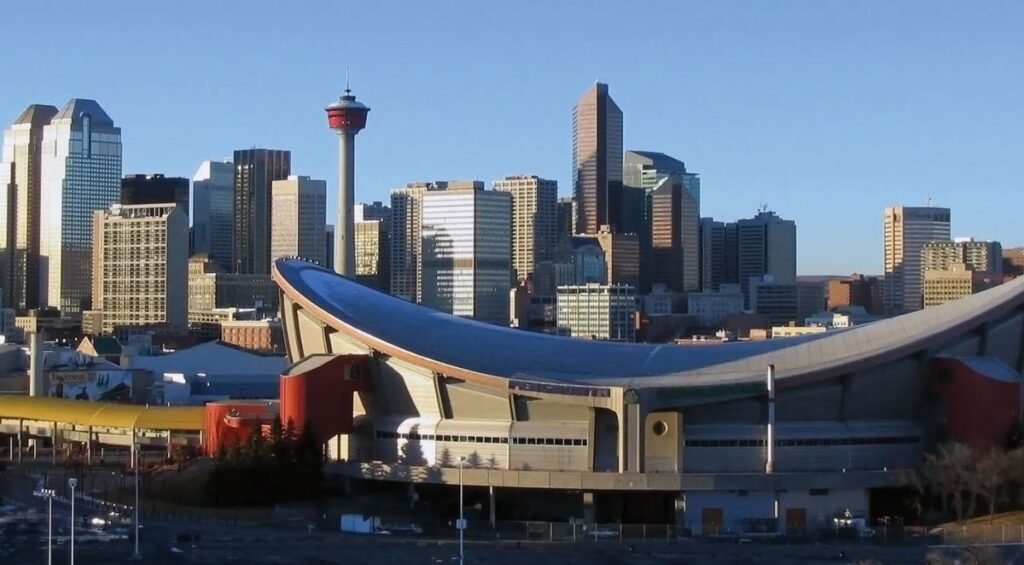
[106, 414]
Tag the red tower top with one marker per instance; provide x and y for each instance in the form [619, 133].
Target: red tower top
[346, 114]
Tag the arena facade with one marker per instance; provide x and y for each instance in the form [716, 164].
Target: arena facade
[719, 436]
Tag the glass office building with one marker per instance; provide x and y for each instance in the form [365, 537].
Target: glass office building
[81, 174]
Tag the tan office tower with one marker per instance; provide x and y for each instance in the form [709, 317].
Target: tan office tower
[140, 265]
[20, 178]
[597, 160]
[674, 236]
[907, 230]
[534, 222]
[406, 229]
[298, 218]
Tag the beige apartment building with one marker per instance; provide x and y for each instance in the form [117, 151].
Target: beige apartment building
[373, 254]
[983, 256]
[140, 266]
[954, 283]
[906, 231]
[534, 203]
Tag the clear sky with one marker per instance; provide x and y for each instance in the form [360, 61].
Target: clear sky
[825, 111]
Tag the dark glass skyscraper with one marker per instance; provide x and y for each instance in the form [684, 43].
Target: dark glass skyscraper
[255, 170]
[155, 189]
[597, 160]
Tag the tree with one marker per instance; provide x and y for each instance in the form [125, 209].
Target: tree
[990, 480]
[949, 473]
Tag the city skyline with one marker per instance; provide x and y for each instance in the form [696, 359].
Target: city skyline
[879, 125]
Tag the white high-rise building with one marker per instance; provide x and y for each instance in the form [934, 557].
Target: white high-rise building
[20, 179]
[140, 266]
[213, 212]
[299, 218]
[81, 166]
[907, 230]
[534, 203]
[467, 252]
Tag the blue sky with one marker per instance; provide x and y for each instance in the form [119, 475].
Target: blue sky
[825, 111]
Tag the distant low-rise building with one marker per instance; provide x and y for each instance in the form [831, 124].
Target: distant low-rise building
[955, 283]
[256, 335]
[710, 308]
[597, 311]
[785, 304]
[856, 290]
[782, 332]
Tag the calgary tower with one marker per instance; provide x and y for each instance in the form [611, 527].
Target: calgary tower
[347, 117]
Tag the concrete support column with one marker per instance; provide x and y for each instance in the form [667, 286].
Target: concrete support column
[21, 426]
[588, 508]
[131, 451]
[635, 438]
[10, 448]
[680, 510]
[88, 448]
[492, 508]
[170, 445]
[53, 444]
[622, 456]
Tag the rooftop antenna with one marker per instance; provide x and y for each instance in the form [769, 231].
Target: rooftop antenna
[928, 201]
[347, 89]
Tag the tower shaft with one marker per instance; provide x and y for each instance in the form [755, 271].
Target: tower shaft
[345, 234]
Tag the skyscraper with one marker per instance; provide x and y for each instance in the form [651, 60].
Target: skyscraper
[596, 160]
[20, 180]
[534, 204]
[467, 252]
[299, 212]
[907, 229]
[81, 166]
[565, 215]
[712, 254]
[406, 229]
[766, 246]
[255, 170]
[678, 221]
[373, 254]
[375, 210]
[213, 212]
[155, 189]
[140, 265]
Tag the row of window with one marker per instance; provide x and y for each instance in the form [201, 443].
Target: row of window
[809, 442]
[414, 436]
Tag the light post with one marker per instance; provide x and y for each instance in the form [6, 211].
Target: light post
[72, 482]
[49, 494]
[462, 522]
[137, 556]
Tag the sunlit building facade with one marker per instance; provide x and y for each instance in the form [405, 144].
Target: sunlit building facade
[467, 252]
[20, 180]
[140, 266]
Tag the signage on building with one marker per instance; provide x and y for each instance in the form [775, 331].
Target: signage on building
[107, 386]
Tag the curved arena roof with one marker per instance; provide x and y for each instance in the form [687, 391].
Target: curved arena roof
[417, 333]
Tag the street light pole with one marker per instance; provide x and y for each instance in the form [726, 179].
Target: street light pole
[48, 493]
[462, 522]
[72, 482]
[137, 556]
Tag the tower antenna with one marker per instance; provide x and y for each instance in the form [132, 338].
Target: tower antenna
[347, 89]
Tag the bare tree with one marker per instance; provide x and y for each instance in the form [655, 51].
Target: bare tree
[991, 479]
[949, 472]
